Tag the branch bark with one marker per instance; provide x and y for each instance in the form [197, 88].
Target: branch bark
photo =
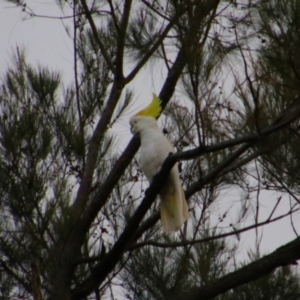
[96, 36]
[112, 258]
[36, 281]
[84, 218]
[280, 123]
[155, 46]
[223, 168]
[283, 256]
[102, 269]
[204, 240]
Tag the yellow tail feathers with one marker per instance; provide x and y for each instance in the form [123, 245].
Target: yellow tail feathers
[173, 211]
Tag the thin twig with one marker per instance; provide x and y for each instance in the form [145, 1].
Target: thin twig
[205, 240]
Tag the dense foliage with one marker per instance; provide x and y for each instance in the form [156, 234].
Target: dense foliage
[76, 222]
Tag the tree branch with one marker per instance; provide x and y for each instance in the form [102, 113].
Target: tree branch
[199, 241]
[155, 46]
[121, 40]
[20, 280]
[96, 36]
[222, 168]
[283, 256]
[122, 163]
[36, 281]
[102, 269]
[93, 148]
[279, 124]
[102, 195]
[111, 259]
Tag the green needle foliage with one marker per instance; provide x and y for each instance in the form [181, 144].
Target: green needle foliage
[78, 217]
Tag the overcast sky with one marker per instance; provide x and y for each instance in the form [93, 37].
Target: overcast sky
[47, 43]
[45, 40]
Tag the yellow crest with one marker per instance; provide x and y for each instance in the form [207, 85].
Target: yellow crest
[153, 109]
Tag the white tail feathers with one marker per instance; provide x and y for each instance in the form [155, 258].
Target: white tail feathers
[173, 209]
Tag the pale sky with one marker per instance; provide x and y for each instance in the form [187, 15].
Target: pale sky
[45, 40]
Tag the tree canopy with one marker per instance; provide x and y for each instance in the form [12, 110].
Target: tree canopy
[78, 220]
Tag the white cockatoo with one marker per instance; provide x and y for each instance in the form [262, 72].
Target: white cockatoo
[155, 148]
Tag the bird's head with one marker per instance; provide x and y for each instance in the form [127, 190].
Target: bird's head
[140, 123]
[147, 117]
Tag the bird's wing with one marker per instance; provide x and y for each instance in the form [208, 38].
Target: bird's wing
[154, 150]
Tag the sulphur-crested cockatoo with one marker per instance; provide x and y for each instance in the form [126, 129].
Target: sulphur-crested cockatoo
[154, 150]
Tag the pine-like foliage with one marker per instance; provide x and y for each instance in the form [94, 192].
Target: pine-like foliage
[78, 218]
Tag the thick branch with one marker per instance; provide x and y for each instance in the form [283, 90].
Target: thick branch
[93, 148]
[104, 268]
[224, 167]
[165, 94]
[106, 188]
[122, 163]
[283, 256]
[267, 148]
[70, 245]
[36, 281]
[101, 270]
[279, 124]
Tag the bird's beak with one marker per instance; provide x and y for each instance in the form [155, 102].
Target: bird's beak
[131, 129]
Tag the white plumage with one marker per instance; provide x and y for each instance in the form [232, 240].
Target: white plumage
[154, 150]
